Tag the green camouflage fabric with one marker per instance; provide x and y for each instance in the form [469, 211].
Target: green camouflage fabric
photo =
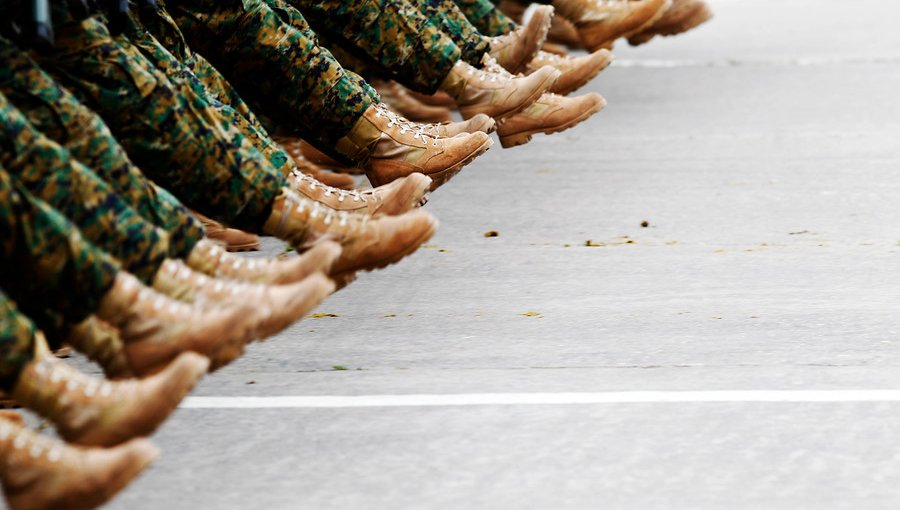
[49, 173]
[16, 342]
[392, 35]
[58, 115]
[254, 133]
[445, 14]
[486, 17]
[189, 150]
[278, 68]
[45, 262]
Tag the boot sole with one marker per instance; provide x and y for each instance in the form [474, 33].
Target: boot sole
[539, 91]
[524, 137]
[652, 21]
[542, 33]
[443, 176]
[584, 81]
[701, 15]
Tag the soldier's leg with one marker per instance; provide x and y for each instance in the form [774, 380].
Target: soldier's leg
[182, 147]
[57, 114]
[16, 342]
[486, 17]
[51, 174]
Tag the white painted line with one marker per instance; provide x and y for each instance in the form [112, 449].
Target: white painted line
[510, 399]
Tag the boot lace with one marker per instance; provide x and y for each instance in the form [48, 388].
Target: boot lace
[24, 439]
[343, 220]
[301, 178]
[418, 130]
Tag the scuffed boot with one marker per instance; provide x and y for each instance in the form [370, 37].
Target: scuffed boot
[601, 22]
[576, 71]
[390, 150]
[294, 147]
[563, 32]
[400, 101]
[157, 328]
[397, 197]
[479, 123]
[96, 412]
[550, 114]
[231, 239]
[279, 306]
[211, 260]
[367, 243]
[39, 473]
[102, 344]
[495, 95]
[517, 48]
[683, 15]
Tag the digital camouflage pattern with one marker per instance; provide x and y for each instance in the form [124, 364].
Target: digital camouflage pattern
[57, 114]
[393, 35]
[16, 342]
[189, 150]
[49, 173]
[486, 17]
[44, 261]
[277, 67]
[254, 133]
[445, 14]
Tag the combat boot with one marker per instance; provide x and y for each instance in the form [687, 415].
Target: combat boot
[211, 260]
[231, 239]
[294, 148]
[102, 344]
[278, 306]
[397, 197]
[575, 71]
[550, 114]
[389, 150]
[563, 33]
[96, 412]
[400, 101]
[367, 243]
[40, 473]
[495, 95]
[517, 48]
[480, 123]
[601, 22]
[682, 15]
[439, 98]
[157, 328]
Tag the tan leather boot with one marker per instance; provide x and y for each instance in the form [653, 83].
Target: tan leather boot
[279, 306]
[480, 123]
[495, 95]
[397, 197]
[563, 32]
[439, 98]
[601, 22]
[368, 243]
[575, 71]
[211, 260]
[102, 344]
[517, 48]
[39, 473]
[389, 150]
[682, 15]
[550, 114]
[97, 412]
[400, 101]
[157, 328]
[231, 239]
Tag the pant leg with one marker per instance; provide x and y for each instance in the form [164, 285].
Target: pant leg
[58, 115]
[486, 17]
[16, 342]
[394, 34]
[446, 15]
[44, 261]
[281, 71]
[183, 148]
[50, 173]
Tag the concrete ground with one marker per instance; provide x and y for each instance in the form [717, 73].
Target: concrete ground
[762, 151]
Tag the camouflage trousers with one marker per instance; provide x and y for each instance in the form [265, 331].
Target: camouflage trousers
[49, 173]
[454, 23]
[44, 261]
[393, 36]
[486, 17]
[276, 63]
[244, 121]
[185, 148]
[16, 342]
[56, 113]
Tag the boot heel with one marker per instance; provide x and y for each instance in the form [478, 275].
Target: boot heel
[514, 140]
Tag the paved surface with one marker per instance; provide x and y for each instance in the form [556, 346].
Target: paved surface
[762, 150]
